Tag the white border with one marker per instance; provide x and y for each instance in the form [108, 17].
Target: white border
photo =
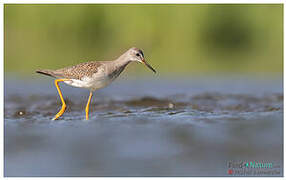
[122, 2]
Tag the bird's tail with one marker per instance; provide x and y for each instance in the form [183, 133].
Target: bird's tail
[46, 72]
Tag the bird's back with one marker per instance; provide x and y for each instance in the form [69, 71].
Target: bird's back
[75, 72]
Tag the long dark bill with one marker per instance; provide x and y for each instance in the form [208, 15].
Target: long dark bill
[149, 66]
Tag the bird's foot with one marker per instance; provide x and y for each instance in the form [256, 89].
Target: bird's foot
[60, 113]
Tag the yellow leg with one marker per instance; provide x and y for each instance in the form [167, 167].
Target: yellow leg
[62, 99]
[87, 105]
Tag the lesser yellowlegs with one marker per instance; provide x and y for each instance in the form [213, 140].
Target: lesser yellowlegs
[93, 75]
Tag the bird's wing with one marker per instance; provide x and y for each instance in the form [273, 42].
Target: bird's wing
[78, 71]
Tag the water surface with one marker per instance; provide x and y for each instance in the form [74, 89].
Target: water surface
[144, 127]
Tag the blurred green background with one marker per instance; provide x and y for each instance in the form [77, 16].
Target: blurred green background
[176, 39]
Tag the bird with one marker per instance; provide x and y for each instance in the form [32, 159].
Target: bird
[93, 75]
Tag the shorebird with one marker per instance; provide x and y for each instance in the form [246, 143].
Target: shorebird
[93, 75]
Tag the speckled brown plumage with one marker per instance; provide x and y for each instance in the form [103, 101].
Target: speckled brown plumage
[74, 72]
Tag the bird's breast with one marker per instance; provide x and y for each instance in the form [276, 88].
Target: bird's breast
[116, 72]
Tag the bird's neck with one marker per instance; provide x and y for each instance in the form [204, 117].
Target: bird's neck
[122, 61]
[118, 66]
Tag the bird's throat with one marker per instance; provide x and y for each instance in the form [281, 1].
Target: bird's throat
[120, 66]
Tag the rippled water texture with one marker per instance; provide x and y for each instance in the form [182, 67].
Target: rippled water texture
[144, 127]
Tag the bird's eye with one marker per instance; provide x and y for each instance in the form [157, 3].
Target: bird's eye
[137, 54]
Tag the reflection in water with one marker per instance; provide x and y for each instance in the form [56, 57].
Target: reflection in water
[172, 135]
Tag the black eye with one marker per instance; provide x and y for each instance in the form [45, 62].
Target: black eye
[137, 54]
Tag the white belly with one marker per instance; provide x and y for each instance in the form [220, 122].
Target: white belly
[97, 81]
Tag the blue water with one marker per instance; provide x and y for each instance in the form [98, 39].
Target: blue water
[145, 127]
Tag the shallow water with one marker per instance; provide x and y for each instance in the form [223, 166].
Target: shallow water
[145, 127]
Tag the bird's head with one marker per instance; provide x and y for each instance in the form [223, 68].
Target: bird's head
[136, 55]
